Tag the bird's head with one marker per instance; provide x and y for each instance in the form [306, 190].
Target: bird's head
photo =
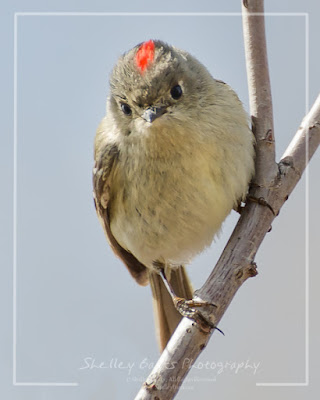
[155, 84]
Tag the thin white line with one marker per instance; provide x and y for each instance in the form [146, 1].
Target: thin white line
[287, 384]
[14, 303]
[155, 14]
[307, 63]
[146, 14]
[307, 278]
[45, 384]
[307, 266]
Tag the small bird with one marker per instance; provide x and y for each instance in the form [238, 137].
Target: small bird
[173, 156]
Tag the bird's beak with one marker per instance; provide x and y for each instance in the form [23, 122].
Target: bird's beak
[153, 113]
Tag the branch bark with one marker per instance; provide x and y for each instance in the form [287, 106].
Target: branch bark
[273, 182]
[259, 89]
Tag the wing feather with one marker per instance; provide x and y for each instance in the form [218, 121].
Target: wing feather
[106, 155]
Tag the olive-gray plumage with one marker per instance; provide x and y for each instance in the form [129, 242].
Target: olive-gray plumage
[173, 155]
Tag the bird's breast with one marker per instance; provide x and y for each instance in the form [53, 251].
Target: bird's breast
[167, 208]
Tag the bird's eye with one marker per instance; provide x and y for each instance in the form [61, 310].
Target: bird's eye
[176, 92]
[126, 109]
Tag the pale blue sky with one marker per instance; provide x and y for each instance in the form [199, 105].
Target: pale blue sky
[76, 301]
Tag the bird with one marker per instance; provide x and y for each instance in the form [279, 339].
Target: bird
[173, 155]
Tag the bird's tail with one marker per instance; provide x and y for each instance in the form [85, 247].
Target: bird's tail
[165, 314]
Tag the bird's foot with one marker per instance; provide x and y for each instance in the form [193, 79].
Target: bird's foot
[189, 309]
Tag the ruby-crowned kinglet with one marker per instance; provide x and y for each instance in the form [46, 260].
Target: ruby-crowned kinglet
[173, 156]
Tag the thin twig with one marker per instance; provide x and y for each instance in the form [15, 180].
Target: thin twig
[259, 90]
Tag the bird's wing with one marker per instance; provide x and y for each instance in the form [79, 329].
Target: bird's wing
[106, 157]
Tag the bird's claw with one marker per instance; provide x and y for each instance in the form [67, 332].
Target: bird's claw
[188, 309]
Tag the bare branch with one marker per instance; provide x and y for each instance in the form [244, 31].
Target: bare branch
[273, 182]
[259, 88]
[259, 94]
[297, 152]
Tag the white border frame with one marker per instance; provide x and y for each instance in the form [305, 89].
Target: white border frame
[15, 141]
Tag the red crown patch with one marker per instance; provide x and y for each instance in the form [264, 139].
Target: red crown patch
[145, 55]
